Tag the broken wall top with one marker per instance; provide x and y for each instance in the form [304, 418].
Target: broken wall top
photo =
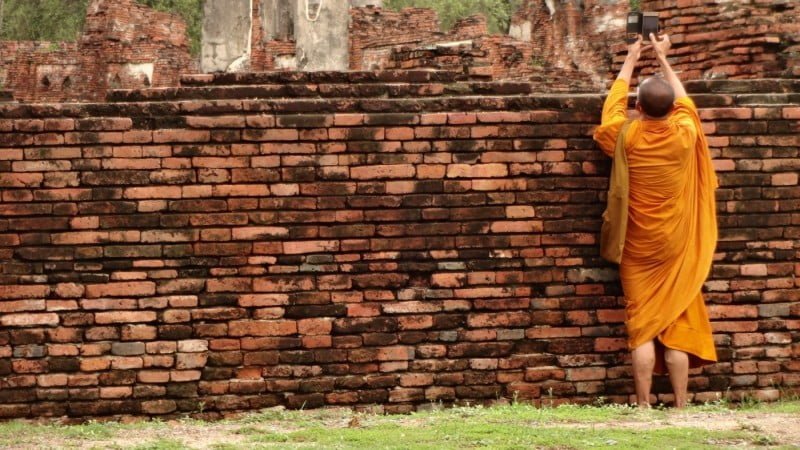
[731, 39]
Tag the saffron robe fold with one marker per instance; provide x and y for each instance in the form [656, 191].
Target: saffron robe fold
[672, 227]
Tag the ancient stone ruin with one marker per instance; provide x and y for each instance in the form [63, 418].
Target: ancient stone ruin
[400, 238]
[123, 45]
[560, 45]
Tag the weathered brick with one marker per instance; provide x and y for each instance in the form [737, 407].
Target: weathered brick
[262, 328]
[125, 317]
[127, 348]
[29, 319]
[10, 292]
[125, 289]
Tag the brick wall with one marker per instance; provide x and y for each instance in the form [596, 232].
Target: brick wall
[370, 44]
[575, 47]
[365, 238]
[467, 48]
[575, 37]
[266, 53]
[735, 40]
[124, 45]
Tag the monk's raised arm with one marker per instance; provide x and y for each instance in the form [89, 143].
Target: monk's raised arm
[615, 108]
[615, 112]
[685, 111]
[662, 48]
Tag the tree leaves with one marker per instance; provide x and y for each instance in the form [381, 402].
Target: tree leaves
[43, 20]
[62, 20]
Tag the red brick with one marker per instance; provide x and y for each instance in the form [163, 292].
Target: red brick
[126, 289]
[785, 179]
[262, 328]
[95, 364]
[476, 170]
[22, 366]
[314, 326]
[299, 247]
[190, 360]
[400, 134]
[215, 121]
[125, 317]
[29, 320]
[732, 311]
[586, 373]
[153, 192]
[177, 136]
[726, 113]
[610, 344]
[382, 172]
[449, 279]
[504, 319]
[159, 406]
[395, 353]
[791, 112]
[552, 332]
[21, 180]
[363, 310]
[7, 306]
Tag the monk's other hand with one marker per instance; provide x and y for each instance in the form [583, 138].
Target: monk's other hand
[661, 46]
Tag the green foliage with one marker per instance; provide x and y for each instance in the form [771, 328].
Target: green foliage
[62, 20]
[162, 444]
[635, 5]
[498, 12]
[43, 20]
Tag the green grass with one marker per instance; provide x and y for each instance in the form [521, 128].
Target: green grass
[17, 433]
[779, 407]
[162, 444]
[456, 435]
[514, 426]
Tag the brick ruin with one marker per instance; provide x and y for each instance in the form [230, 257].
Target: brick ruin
[562, 46]
[123, 45]
[565, 45]
[728, 40]
[358, 239]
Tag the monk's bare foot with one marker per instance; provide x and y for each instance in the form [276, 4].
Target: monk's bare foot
[643, 405]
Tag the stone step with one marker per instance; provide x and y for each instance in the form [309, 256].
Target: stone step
[355, 77]
[164, 113]
[771, 85]
[409, 84]
[377, 95]
[322, 91]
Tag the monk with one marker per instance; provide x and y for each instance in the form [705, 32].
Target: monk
[672, 227]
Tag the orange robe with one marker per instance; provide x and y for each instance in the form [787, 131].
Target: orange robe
[672, 227]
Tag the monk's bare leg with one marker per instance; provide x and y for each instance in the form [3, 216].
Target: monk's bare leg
[678, 367]
[644, 359]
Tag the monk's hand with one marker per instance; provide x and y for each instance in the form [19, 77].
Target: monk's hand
[662, 47]
[635, 49]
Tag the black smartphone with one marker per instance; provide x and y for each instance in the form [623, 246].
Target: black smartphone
[650, 25]
[634, 27]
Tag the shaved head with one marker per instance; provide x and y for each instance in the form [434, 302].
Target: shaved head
[656, 97]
